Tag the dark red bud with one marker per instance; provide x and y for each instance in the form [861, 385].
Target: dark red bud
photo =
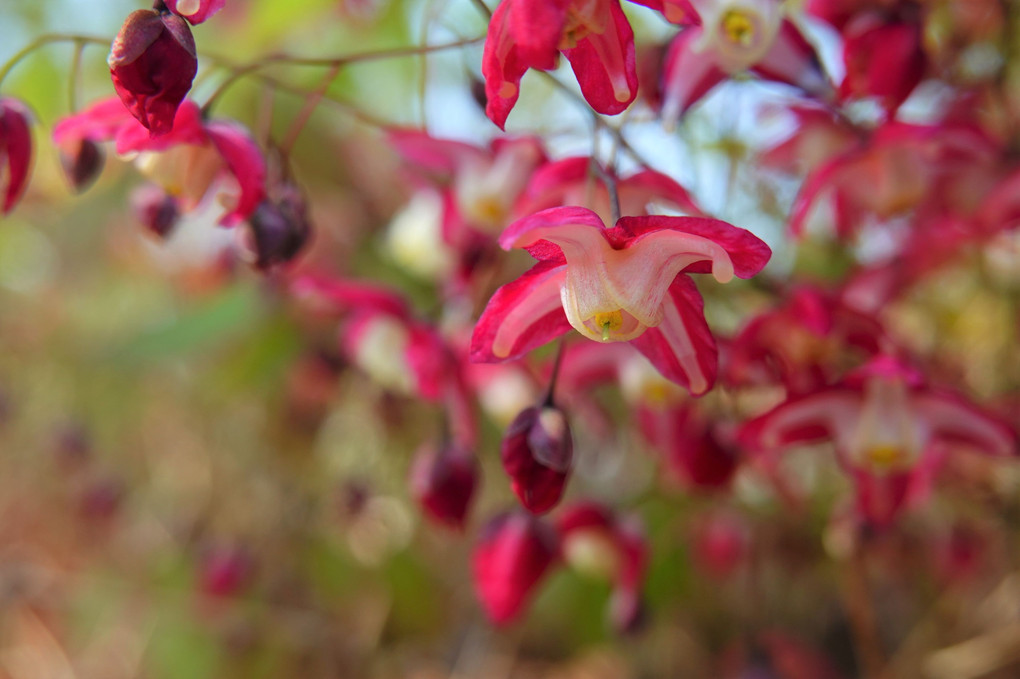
[443, 482]
[152, 63]
[156, 210]
[225, 570]
[15, 151]
[82, 163]
[279, 228]
[512, 556]
[537, 451]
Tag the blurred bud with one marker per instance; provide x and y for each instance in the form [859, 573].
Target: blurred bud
[152, 63]
[195, 11]
[279, 228]
[15, 151]
[537, 451]
[703, 461]
[157, 210]
[82, 162]
[443, 482]
[883, 60]
[721, 542]
[72, 447]
[101, 498]
[512, 556]
[225, 570]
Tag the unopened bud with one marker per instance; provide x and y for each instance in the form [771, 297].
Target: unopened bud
[537, 451]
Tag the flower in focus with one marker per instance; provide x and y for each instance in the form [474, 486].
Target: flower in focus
[594, 35]
[513, 554]
[152, 63]
[443, 481]
[15, 151]
[195, 11]
[537, 452]
[889, 430]
[624, 284]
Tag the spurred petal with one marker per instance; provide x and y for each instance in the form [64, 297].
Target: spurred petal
[537, 27]
[195, 11]
[15, 150]
[682, 348]
[503, 66]
[605, 64]
[523, 314]
[99, 122]
[245, 162]
[687, 75]
[957, 422]
[826, 414]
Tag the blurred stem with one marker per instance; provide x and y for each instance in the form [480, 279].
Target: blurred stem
[483, 8]
[609, 179]
[549, 400]
[74, 77]
[49, 39]
[861, 615]
[306, 111]
[241, 70]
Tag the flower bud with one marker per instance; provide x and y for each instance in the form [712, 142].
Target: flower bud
[279, 228]
[537, 451]
[513, 555]
[157, 210]
[82, 160]
[152, 63]
[15, 151]
[443, 482]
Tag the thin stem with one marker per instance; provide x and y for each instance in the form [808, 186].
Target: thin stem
[483, 8]
[48, 39]
[609, 180]
[549, 401]
[74, 76]
[306, 111]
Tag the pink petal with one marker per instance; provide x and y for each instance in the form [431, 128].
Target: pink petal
[245, 162]
[647, 186]
[99, 122]
[537, 27]
[188, 128]
[792, 59]
[195, 11]
[682, 347]
[825, 414]
[345, 295]
[439, 156]
[605, 64]
[954, 421]
[563, 226]
[884, 61]
[523, 314]
[503, 66]
[679, 12]
[687, 75]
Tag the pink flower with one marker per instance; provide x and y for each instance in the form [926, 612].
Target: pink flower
[513, 555]
[594, 35]
[152, 63]
[889, 431]
[187, 160]
[624, 284]
[195, 11]
[15, 151]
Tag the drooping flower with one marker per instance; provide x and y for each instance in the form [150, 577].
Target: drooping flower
[187, 161]
[15, 151]
[594, 35]
[152, 63]
[889, 430]
[279, 226]
[513, 555]
[537, 452]
[443, 481]
[624, 284]
[195, 11]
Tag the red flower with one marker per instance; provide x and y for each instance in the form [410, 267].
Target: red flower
[152, 63]
[595, 36]
[513, 555]
[443, 482]
[15, 150]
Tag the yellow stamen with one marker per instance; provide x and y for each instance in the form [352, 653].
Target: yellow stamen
[738, 27]
[609, 321]
[885, 457]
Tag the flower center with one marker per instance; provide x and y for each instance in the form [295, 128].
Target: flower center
[738, 27]
[609, 321]
[886, 457]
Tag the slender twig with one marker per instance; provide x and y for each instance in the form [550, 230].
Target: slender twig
[74, 76]
[609, 179]
[549, 400]
[483, 8]
[48, 39]
[307, 110]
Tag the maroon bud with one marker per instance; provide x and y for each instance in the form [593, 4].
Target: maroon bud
[512, 556]
[225, 570]
[156, 210]
[101, 498]
[15, 151]
[152, 63]
[279, 228]
[443, 482]
[537, 451]
[703, 461]
[82, 161]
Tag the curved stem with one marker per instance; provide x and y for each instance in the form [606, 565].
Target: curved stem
[306, 111]
[49, 39]
[74, 76]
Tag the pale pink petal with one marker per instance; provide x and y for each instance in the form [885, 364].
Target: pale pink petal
[826, 414]
[523, 314]
[574, 228]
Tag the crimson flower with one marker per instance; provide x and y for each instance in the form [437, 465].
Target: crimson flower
[152, 63]
[624, 284]
[890, 432]
[443, 481]
[15, 151]
[594, 35]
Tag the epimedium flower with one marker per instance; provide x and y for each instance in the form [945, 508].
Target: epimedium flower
[890, 432]
[152, 63]
[15, 151]
[192, 157]
[624, 284]
[594, 35]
